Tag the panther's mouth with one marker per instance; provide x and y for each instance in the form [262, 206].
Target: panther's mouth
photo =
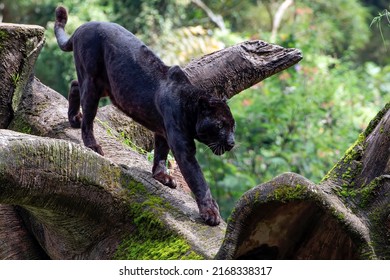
[219, 149]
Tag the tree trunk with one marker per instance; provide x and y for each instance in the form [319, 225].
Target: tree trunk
[19, 48]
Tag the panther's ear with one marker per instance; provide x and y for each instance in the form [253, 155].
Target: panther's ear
[175, 73]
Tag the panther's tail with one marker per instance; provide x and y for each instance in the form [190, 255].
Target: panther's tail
[64, 42]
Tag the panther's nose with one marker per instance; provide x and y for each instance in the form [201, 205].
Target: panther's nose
[230, 143]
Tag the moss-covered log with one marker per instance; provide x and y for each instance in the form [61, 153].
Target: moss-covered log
[78, 204]
[346, 216]
[69, 202]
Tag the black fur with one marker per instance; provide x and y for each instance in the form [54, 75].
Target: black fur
[111, 61]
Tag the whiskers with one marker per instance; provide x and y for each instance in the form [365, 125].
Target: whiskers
[219, 149]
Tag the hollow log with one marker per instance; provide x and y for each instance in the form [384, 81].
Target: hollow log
[345, 216]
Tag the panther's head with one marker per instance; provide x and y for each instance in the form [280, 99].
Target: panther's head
[215, 124]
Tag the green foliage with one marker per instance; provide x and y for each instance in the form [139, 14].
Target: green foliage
[385, 15]
[339, 28]
[15, 78]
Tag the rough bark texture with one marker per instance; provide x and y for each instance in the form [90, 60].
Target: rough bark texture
[229, 71]
[19, 48]
[16, 242]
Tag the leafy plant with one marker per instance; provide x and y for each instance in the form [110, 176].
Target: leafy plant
[15, 78]
[384, 15]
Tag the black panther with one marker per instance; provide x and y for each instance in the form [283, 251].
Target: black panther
[111, 61]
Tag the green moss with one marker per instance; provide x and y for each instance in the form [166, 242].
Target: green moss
[257, 197]
[379, 231]
[331, 174]
[366, 195]
[3, 37]
[356, 150]
[15, 79]
[133, 187]
[20, 125]
[151, 238]
[367, 192]
[374, 122]
[343, 168]
[366, 252]
[346, 192]
[148, 247]
[288, 193]
[123, 137]
[338, 215]
[347, 174]
[348, 167]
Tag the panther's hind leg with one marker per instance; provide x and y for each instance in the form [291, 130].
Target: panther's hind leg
[160, 172]
[74, 114]
[90, 95]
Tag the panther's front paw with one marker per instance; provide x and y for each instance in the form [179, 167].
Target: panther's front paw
[165, 179]
[96, 148]
[209, 211]
[75, 121]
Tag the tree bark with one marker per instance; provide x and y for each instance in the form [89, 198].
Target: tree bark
[228, 72]
[70, 203]
[16, 242]
[19, 48]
